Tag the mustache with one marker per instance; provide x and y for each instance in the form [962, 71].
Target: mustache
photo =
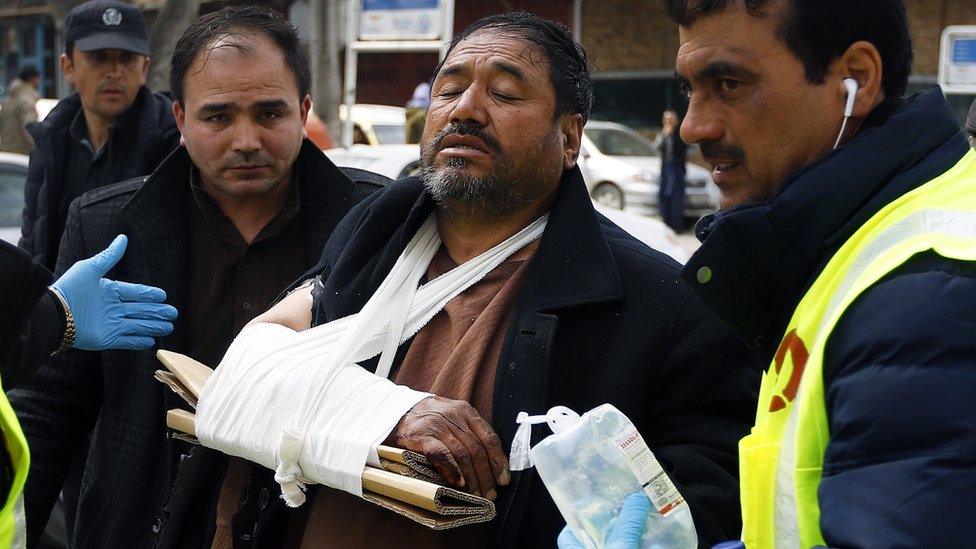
[466, 128]
[241, 161]
[115, 86]
[721, 150]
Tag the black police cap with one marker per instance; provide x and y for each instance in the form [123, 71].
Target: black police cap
[107, 25]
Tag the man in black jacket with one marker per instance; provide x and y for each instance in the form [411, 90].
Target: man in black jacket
[223, 225]
[113, 128]
[586, 315]
[797, 105]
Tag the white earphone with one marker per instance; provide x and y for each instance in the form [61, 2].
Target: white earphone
[852, 87]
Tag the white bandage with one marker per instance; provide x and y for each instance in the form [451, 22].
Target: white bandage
[298, 402]
[272, 368]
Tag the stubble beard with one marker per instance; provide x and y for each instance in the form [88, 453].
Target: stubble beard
[459, 193]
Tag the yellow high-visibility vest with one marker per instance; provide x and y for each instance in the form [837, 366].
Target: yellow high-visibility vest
[781, 461]
[12, 521]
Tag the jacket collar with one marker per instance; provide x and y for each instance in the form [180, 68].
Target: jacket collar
[756, 261]
[158, 207]
[573, 265]
[326, 192]
[67, 109]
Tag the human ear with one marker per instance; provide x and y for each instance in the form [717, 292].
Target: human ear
[862, 63]
[571, 132]
[180, 115]
[304, 108]
[67, 68]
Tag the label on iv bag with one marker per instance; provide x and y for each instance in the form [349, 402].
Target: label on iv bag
[652, 477]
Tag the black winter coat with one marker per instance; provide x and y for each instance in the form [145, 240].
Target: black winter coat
[144, 135]
[900, 366]
[31, 324]
[112, 395]
[600, 318]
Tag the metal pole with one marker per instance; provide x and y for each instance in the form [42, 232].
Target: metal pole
[349, 82]
[448, 30]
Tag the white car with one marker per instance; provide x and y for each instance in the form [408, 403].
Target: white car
[380, 124]
[393, 161]
[13, 176]
[622, 170]
[396, 161]
[44, 106]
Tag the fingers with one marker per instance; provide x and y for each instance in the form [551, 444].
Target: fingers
[144, 328]
[472, 459]
[442, 459]
[629, 526]
[138, 292]
[459, 443]
[133, 343]
[493, 446]
[149, 311]
[567, 540]
[107, 258]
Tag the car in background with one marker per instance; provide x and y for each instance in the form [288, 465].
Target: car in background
[393, 161]
[622, 170]
[396, 161]
[378, 124]
[43, 106]
[13, 177]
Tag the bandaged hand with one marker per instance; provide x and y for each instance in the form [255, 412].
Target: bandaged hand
[460, 444]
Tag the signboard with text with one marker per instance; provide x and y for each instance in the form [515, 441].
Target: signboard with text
[957, 60]
[401, 20]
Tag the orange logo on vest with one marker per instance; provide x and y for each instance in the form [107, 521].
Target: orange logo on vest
[799, 355]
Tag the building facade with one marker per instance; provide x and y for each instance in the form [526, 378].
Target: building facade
[631, 45]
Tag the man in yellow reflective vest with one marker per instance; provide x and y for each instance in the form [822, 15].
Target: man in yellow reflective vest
[81, 310]
[845, 253]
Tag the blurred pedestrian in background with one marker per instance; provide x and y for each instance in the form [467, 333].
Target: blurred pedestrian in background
[18, 110]
[416, 114]
[671, 190]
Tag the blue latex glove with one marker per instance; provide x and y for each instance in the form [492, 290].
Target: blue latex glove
[627, 530]
[110, 314]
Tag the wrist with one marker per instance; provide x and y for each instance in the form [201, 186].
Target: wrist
[68, 338]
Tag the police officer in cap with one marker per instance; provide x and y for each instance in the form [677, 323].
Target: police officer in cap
[113, 128]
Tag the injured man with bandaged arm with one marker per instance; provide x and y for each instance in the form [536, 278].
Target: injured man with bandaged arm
[447, 303]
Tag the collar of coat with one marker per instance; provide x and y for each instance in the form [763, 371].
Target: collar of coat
[763, 257]
[133, 118]
[158, 207]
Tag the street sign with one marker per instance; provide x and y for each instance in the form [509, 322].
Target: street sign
[401, 20]
[957, 59]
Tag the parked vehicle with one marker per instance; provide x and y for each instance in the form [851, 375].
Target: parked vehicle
[13, 177]
[393, 161]
[623, 170]
[378, 124]
[43, 106]
[396, 161]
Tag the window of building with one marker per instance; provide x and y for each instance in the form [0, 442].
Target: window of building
[636, 100]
